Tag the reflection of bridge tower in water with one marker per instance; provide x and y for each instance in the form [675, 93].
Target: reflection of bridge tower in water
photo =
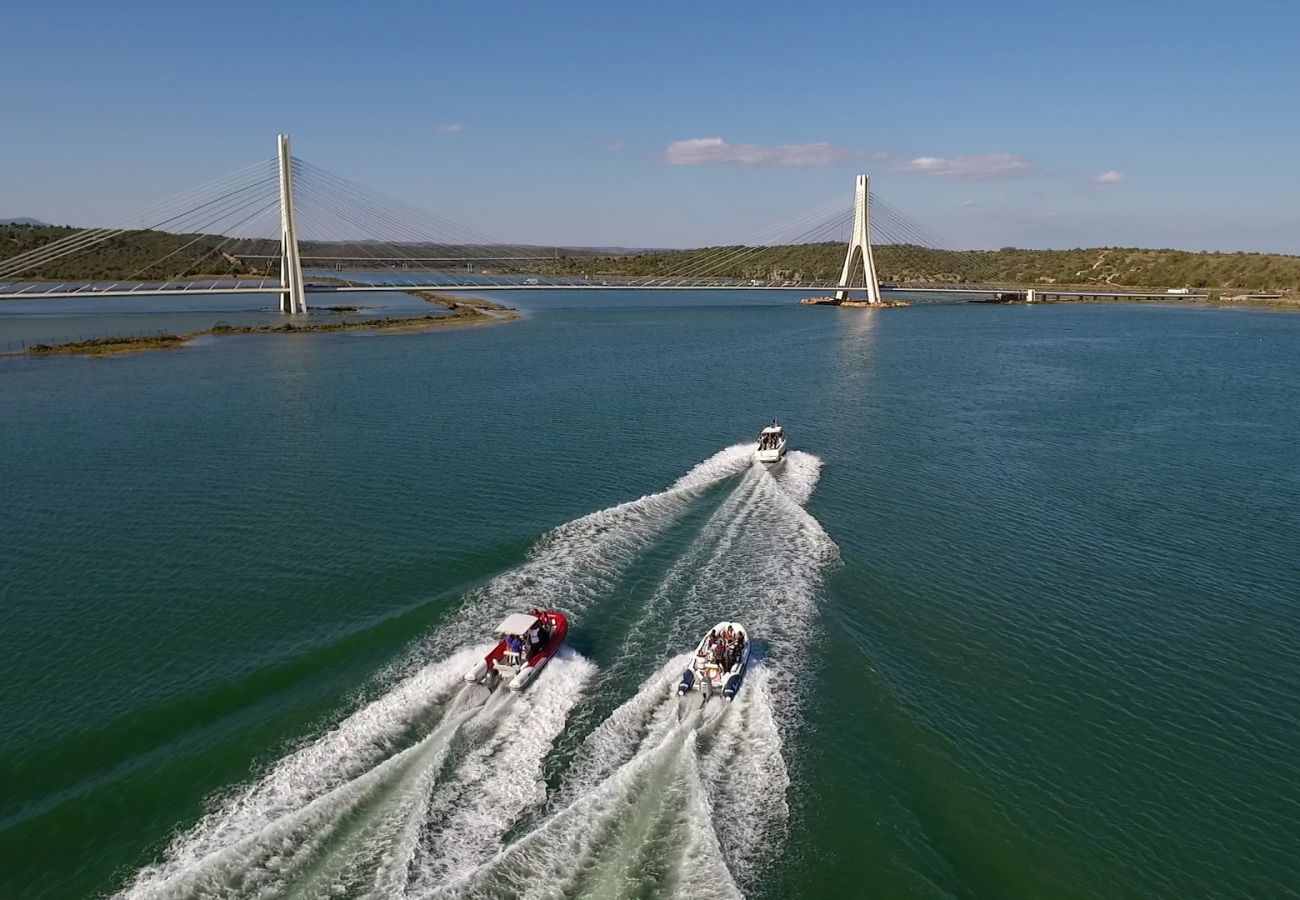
[860, 247]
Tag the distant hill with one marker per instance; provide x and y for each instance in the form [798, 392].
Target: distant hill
[133, 254]
[24, 220]
[909, 264]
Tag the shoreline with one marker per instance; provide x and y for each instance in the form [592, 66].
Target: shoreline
[1266, 304]
[465, 314]
[1172, 301]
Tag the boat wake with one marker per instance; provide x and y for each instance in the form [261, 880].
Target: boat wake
[668, 797]
[441, 788]
[331, 814]
[672, 796]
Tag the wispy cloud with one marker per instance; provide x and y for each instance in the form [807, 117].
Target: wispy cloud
[615, 147]
[993, 165]
[716, 151]
[450, 128]
[1111, 177]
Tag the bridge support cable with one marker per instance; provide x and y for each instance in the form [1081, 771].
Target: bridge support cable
[747, 262]
[178, 214]
[347, 229]
[732, 263]
[367, 220]
[346, 218]
[928, 257]
[728, 264]
[229, 219]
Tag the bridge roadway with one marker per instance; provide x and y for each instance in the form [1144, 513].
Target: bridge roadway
[33, 291]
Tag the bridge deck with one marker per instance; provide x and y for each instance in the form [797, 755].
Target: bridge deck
[34, 291]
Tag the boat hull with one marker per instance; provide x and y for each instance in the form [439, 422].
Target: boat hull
[705, 677]
[771, 457]
[495, 666]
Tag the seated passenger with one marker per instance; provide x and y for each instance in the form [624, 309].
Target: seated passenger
[514, 646]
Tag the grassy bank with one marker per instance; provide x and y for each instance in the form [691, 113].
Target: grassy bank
[463, 315]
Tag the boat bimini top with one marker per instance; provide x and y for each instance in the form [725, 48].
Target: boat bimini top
[517, 624]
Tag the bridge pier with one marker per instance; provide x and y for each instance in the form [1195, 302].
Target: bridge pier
[860, 246]
[293, 298]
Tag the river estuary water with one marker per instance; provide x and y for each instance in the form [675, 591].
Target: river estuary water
[1026, 599]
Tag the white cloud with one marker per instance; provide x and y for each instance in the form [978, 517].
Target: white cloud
[450, 128]
[615, 147]
[1111, 177]
[705, 151]
[993, 165]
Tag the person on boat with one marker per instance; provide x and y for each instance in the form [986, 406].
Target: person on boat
[534, 640]
[514, 646]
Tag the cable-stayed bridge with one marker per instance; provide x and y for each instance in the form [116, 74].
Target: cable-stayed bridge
[287, 227]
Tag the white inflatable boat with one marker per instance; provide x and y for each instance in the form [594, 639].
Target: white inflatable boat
[718, 666]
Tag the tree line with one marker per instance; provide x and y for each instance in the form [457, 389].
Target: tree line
[157, 255]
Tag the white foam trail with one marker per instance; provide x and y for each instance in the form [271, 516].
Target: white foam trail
[703, 789]
[257, 838]
[644, 720]
[305, 790]
[501, 779]
[717, 782]
[746, 779]
[769, 580]
[580, 561]
[465, 812]
[702, 870]
[569, 848]
[799, 475]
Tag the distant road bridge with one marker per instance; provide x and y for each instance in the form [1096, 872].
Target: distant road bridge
[289, 215]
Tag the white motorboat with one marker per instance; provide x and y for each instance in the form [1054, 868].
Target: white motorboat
[718, 666]
[771, 444]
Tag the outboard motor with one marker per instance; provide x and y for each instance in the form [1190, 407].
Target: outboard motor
[688, 682]
[732, 685]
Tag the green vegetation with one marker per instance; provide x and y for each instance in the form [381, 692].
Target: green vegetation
[462, 314]
[107, 345]
[146, 255]
[1110, 266]
[136, 254]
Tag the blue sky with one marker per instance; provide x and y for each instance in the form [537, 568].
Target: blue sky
[677, 124]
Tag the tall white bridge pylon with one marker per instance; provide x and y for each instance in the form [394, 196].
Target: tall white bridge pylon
[293, 297]
[860, 245]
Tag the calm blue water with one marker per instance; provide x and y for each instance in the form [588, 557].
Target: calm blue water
[1026, 598]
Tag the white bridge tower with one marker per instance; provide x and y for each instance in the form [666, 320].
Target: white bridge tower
[293, 299]
[860, 245]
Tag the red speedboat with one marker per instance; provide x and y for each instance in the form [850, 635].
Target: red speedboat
[528, 641]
